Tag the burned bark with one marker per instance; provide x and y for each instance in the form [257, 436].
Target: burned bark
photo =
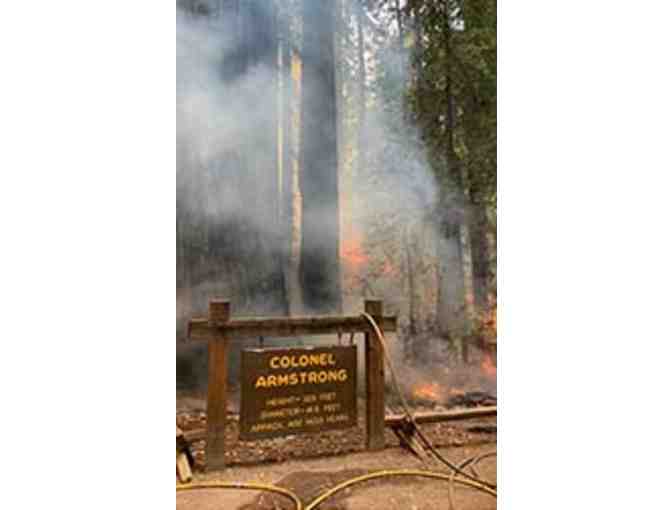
[320, 255]
[227, 221]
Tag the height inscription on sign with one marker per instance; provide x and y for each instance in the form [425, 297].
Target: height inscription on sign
[291, 391]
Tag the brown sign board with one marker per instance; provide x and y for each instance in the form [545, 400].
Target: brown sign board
[297, 390]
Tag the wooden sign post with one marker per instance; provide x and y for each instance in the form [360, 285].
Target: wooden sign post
[218, 373]
[375, 382]
[218, 329]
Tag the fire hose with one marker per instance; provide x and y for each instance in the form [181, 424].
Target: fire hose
[473, 481]
[243, 486]
[344, 485]
[471, 462]
[396, 472]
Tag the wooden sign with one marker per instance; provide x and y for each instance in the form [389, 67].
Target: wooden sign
[291, 391]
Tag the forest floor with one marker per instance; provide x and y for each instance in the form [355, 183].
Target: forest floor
[310, 464]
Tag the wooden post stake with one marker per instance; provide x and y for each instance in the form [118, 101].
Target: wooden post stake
[183, 468]
[375, 382]
[218, 368]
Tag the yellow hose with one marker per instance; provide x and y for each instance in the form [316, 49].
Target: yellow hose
[395, 472]
[471, 461]
[243, 486]
[329, 493]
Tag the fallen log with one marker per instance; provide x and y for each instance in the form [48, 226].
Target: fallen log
[397, 420]
[482, 428]
[471, 399]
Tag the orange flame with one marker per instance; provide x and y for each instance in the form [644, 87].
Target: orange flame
[454, 392]
[488, 367]
[427, 391]
[388, 268]
[352, 252]
[488, 322]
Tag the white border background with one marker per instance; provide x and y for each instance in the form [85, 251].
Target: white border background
[87, 208]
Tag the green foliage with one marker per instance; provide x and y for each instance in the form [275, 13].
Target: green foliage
[449, 95]
[453, 93]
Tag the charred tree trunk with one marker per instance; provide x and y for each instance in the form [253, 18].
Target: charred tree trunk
[292, 273]
[320, 262]
[257, 248]
[400, 28]
[491, 254]
[361, 144]
[230, 242]
[409, 348]
[458, 169]
[286, 145]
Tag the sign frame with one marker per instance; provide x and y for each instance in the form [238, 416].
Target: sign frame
[218, 329]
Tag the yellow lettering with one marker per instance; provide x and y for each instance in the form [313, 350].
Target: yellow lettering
[261, 382]
[274, 362]
[316, 420]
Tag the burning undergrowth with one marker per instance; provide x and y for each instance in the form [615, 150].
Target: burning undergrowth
[447, 381]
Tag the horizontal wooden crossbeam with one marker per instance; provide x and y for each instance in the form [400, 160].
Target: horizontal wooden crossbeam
[393, 420]
[203, 329]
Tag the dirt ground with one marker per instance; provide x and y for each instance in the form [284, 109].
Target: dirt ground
[191, 416]
[310, 464]
[311, 477]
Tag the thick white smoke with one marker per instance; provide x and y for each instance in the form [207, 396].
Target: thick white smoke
[225, 109]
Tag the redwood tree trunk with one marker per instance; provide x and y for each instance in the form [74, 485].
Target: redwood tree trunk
[458, 168]
[320, 263]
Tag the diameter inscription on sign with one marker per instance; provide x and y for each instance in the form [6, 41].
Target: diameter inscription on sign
[289, 391]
